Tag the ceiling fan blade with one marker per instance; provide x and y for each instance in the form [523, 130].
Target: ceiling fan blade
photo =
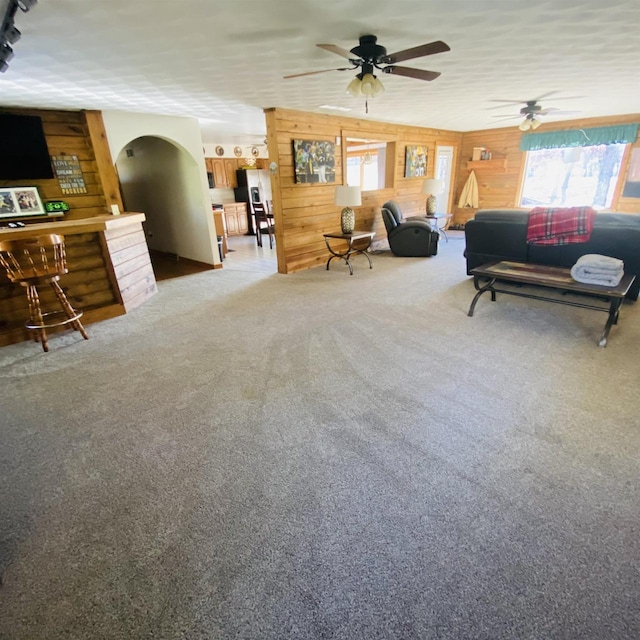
[556, 112]
[509, 118]
[418, 74]
[335, 49]
[529, 101]
[502, 106]
[544, 95]
[417, 52]
[313, 73]
[504, 116]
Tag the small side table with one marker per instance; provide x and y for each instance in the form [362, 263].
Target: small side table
[434, 217]
[364, 236]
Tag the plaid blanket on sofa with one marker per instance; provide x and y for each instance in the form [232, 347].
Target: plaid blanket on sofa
[556, 226]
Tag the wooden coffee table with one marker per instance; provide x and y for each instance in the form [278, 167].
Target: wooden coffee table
[550, 277]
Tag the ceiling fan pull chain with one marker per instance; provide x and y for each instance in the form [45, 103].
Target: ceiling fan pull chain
[366, 105]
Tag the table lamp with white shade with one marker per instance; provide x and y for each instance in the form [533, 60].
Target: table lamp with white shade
[348, 197]
[432, 187]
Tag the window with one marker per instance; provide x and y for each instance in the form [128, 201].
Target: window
[572, 176]
[365, 162]
[362, 170]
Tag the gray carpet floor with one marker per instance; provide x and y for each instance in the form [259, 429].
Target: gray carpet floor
[324, 456]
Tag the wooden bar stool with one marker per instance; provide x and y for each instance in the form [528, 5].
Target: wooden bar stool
[33, 262]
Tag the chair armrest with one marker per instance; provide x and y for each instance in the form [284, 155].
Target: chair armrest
[416, 223]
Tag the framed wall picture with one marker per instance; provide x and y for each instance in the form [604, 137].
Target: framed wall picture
[20, 201]
[415, 161]
[314, 161]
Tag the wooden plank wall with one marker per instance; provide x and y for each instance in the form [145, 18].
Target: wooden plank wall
[303, 212]
[68, 132]
[131, 263]
[499, 182]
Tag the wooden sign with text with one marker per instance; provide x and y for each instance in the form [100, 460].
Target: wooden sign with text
[69, 174]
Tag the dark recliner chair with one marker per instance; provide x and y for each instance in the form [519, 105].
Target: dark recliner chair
[410, 237]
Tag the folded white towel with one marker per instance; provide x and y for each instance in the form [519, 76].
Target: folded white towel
[587, 275]
[600, 263]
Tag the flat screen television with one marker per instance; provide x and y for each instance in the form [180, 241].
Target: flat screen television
[24, 154]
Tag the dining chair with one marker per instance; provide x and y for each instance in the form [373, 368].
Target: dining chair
[264, 223]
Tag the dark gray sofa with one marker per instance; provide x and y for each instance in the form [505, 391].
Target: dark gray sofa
[501, 234]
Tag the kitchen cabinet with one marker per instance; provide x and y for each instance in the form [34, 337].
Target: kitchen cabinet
[230, 167]
[218, 171]
[235, 216]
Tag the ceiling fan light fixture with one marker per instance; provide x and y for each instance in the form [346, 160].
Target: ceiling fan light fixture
[354, 87]
[525, 125]
[535, 123]
[367, 86]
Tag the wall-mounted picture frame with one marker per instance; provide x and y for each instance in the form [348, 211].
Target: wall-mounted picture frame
[314, 161]
[69, 174]
[415, 161]
[20, 201]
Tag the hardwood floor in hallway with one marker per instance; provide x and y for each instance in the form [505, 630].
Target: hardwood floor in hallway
[167, 266]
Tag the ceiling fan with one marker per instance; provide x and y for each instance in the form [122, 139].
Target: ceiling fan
[532, 111]
[369, 56]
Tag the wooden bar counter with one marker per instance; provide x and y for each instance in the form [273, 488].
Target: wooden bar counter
[110, 271]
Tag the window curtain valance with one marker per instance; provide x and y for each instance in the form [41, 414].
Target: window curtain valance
[624, 133]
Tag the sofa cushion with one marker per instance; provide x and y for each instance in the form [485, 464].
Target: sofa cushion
[503, 215]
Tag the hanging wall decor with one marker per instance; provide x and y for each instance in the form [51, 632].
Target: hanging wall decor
[69, 174]
[415, 161]
[314, 161]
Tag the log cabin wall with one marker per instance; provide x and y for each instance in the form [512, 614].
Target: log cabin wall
[79, 133]
[87, 286]
[303, 212]
[499, 180]
[109, 270]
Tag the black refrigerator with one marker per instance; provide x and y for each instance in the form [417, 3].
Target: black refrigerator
[248, 191]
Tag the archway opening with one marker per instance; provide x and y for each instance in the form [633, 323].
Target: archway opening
[162, 180]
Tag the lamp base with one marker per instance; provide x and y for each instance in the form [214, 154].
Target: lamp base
[347, 220]
[431, 205]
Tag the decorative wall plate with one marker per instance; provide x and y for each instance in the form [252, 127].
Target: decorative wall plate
[255, 152]
[237, 152]
[219, 150]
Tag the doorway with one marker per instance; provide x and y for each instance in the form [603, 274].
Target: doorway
[444, 171]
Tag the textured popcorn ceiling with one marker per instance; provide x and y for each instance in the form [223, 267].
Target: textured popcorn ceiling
[222, 61]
